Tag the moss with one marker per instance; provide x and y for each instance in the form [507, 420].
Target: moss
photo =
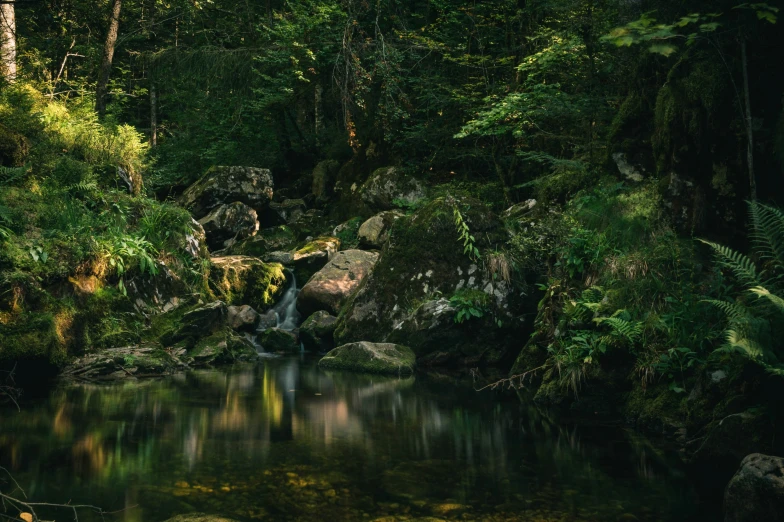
[266, 241]
[347, 233]
[35, 336]
[223, 346]
[246, 280]
[370, 358]
[275, 340]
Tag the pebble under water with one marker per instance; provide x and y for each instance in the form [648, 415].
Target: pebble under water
[284, 440]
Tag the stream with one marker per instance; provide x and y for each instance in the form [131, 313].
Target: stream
[283, 440]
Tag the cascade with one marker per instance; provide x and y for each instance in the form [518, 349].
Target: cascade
[286, 309]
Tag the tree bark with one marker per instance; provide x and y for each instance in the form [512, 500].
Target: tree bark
[318, 110]
[153, 115]
[8, 41]
[749, 129]
[108, 56]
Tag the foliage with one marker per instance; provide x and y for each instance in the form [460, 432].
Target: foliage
[464, 234]
[755, 315]
[469, 304]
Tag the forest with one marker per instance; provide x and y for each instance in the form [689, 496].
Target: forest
[391, 260]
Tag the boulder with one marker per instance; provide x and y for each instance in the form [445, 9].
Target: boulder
[233, 221]
[424, 263]
[197, 323]
[316, 332]
[367, 357]
[324, 179]
[331, 287]
[756, 492]
[347, 232]
[388, 188]
[276, 340]
[242, 318]
[310, 224]
[247, 280]
[195, 243]
[288, 210]
[124, 363]
[313, 256]
[374, 232]
[222, 185]
[280, 238]
[224, 346]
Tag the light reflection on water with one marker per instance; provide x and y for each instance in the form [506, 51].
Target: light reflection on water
[283, 440]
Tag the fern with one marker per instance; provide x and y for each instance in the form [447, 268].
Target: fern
[740, 265]
[10, 174]
[768, 233]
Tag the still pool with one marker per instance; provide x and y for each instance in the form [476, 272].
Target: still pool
[284, 440]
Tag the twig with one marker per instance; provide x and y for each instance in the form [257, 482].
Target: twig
[515, 381]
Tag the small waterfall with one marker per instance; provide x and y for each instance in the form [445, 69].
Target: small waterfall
[286, 309]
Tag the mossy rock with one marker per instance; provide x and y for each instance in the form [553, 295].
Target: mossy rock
[190, 325]
[14, 148]
[123, 363]
[247, 280]
[384, 358]
[222, 185]
[324, 175]
[389, 187]
[223, 346]
[422, 263]
[329, 288]
[280, 238]
[316, 332]
[313, 256]
[275, 340]
[36, 337]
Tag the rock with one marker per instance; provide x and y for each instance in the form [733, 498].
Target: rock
[242, 318]
[268, 319]
[375, 231]
[316, 332]
[200, 517]
[310, 224]
[247, 280]
[347, 233]
[224, 346]
[196, 242]
[284, 258]
[756, 492]
[288, 210]
[424, 263]
[313, 256]
[519, 210]
[156, 294]
[198, 323]
[222, 185]
[280, 238]
[388, 187]
[370, 358]
[275, 340]
[232, 221]
[123, 363]
[732, 438]
[324, 179]
[331, 287]
[629, 171]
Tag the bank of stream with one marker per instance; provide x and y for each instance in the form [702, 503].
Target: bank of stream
[282, 439]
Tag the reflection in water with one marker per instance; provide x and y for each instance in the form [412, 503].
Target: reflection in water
[283, 440]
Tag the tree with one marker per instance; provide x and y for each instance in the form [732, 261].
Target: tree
[8, 40]
[108, 56]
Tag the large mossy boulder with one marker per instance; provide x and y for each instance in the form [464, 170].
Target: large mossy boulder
[756, 492]
[277, 340]
[331, 287]
[221, 185]
[374, 232]
[189, 326]
[230, 222]
[247, 280]
[389, 187]
[384, 358]
[316, 332]
[223, 346]
[271, 239]
[314, 256]
[406, 299]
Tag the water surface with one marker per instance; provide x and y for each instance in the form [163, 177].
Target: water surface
[283, 440]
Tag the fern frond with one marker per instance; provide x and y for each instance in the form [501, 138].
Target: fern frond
[777, 301]
[593, 295]
[630, 330]
[768, 232]
[739, 342]
[742, 266]
[10, 174]
[733, 311]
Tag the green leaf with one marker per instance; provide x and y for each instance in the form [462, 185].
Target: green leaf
[663, 49]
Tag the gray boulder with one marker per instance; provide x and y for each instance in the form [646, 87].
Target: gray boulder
[198, 323]
[221, 185]
[388, 186]
[385, 358]
[331, 287]
[288, 210]
[234, 221]
[374, 232]
[276, 340]
[756, 492]
[242, 318]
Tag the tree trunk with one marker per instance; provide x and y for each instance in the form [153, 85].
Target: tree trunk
[8, 41]
[106, 61]
[318, 110]
[749, 129]
[153, 115]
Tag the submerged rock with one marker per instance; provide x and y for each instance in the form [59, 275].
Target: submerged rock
[316, 332]
[756, 492]
[374, 232]
[220, 185]
[368, 357]
[247, 280]
[276, 340]
[331, 287]
[388, 187]
[234, 221]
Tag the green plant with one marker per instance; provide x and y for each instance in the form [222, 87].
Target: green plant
[10, 174]
[123, 253]
[678, 360]
[470, 304]
[755, 318]
[464, 235]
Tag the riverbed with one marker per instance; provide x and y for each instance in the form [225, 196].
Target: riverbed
[283, 440]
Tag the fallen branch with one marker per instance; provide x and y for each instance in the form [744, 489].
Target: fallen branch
[515, 382]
